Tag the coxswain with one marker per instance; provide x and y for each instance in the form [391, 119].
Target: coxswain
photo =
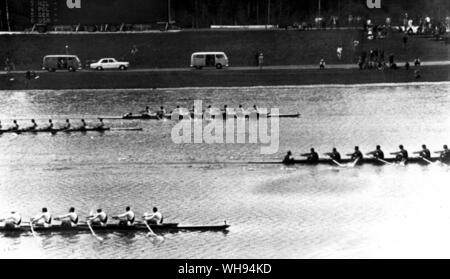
[402, 155]
[154, 218]
[288, 159]
[70, 219]
[334, 155]
[13, 220]
[127, 218]
[378, 153]
[424, 153]
[98, 219]
[44, 219]
[312, 157]
[445, 155]
[356, 155]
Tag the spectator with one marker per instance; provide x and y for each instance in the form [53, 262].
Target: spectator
[405, 40]
[417, 62]
[407, 65]
[417, 74]
[339, 52]
[260, 60]
[322, 64]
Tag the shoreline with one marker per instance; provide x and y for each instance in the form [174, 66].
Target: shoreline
[170, 79]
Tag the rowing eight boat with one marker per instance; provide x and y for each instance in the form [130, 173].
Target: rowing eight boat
[54, 131]
[180, 117]
[84, 228]
[365, 161]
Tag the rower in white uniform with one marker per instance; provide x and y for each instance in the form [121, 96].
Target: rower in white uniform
[127, 218]
[153, 218]
[98, 219]
[13, 220]
[70, 219]
[241, 112]
[44, 219]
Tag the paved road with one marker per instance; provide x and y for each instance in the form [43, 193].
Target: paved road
[285, 67]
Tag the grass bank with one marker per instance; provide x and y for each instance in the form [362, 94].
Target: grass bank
[212, 78]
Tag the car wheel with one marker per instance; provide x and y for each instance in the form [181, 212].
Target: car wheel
[99, 68]
[219, 66]
[198, 67]
[51, 70]
[122, 67]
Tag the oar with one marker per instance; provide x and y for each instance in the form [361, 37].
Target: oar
[126, 129]
[386, 162]
[426, 160]
[337, 163]
[32, 229]
[93, 233]
[151, 233]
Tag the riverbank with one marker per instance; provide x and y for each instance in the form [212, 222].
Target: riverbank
[173, 50]
[213, 78]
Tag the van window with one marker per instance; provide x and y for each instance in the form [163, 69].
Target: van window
[220, 56]
[199, 56]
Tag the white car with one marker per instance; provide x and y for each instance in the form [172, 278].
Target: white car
[109, 64]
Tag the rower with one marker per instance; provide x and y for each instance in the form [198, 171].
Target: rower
[127, 218]
[98, 219]
[67, 125]
[50, 124]
[445, 155]
[378, 153]
[83, 124]
[356, 155]
[44, 219]
[0, 125]
[288, 159]
[147, 111]
[402, 155]
[312, 157]
[70, 219]
[15, 126]
[33, 125]
[154, 218]
[334, 155]
[241, 112]
[424, 153]
[13, 220]
[101, 125]
[161, 113]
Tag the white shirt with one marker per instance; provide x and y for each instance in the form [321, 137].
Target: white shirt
[71, 216]
[100, 217]
[153, 216]
[43, 219]
[13, 218]
[127, 216]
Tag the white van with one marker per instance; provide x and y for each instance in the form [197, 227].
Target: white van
[209, 59]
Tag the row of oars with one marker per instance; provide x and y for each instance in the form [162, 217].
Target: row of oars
[151, 233]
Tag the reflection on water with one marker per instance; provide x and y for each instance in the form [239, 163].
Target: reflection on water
[274, 211]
